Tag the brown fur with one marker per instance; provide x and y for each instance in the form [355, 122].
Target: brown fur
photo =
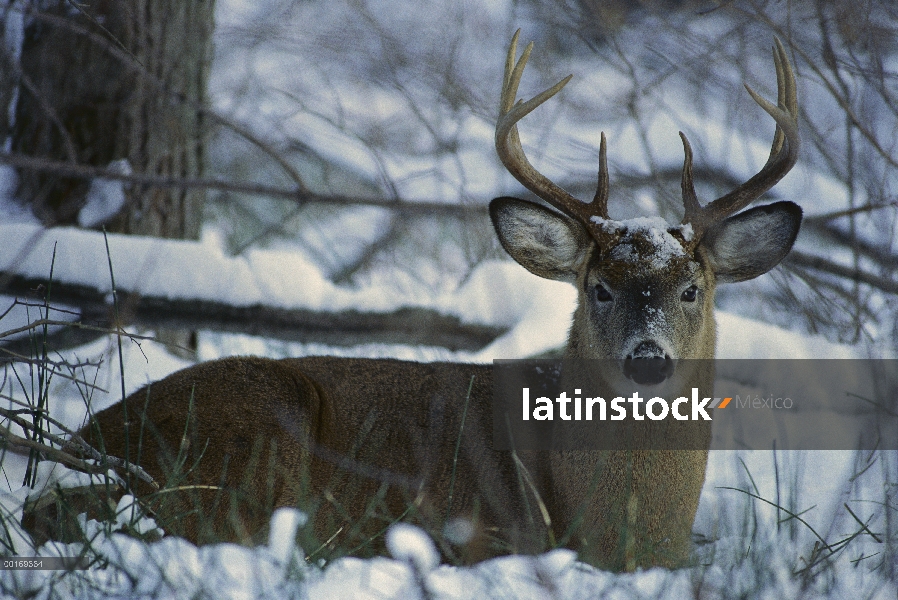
[395, 425]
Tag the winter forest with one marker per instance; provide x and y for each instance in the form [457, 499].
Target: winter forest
[182, 181]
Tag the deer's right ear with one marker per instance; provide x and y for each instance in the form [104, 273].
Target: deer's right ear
[540, 240]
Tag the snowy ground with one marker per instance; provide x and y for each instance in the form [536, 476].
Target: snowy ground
[747, 551]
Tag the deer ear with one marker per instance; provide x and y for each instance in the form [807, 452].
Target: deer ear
[752, 242]
[540, 240]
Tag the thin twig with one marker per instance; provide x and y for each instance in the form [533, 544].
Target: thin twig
[18, 358]
[42, 322]
[61, 455]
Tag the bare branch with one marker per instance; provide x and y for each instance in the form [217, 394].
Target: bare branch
[60, 456]
[90, 172]
[74, 440]
[819, 263]
[410, 325]
[837, 214]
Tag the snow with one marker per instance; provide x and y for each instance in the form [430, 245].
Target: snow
[739, 337]
[229, 571]
[411, 545]
[654, 230]
[105, 197]
[144, 264]
[285, 522]
[538, 318]
[130, 514]
[459, 531]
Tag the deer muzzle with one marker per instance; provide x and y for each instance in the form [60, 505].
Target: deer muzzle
[648, 364]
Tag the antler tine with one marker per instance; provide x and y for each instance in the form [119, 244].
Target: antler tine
[508, 142]
[783, 153]
[690, 200]
[600, 201]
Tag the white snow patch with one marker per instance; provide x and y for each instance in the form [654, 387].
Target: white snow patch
[738, 337]
[105, 197]
[282, 532]
[410, 544]
[460, 530]
[130, 514]
[654, 229]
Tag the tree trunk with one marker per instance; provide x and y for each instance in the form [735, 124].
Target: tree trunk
[113, 80]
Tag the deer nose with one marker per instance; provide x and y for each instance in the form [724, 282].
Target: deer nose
[648, 364]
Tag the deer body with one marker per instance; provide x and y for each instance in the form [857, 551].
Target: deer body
[361, 443]
[302, 432]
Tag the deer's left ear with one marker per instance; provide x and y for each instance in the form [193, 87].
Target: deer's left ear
[752, 242]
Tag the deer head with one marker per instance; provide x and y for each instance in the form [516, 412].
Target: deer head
[645, 287]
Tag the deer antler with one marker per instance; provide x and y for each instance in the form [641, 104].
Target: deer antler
[783, 155]
[508, 146]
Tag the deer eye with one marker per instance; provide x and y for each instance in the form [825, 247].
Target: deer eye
[689, 293]
[602, 294]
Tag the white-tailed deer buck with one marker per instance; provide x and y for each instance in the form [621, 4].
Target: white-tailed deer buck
[363, 443]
